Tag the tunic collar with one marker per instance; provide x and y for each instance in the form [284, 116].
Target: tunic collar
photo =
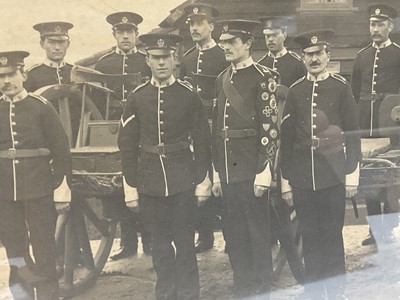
[385, 44]
[279, 54]
[243, 64]
[207, 46]
[324, 75]
[122, 52]
[163, 84]
[53, 64]
[22, 95]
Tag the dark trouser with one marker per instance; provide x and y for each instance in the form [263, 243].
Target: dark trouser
[171, 219]
[206, 216]
[382, 224]
[321, 218]
[247, 236]
[130, 222]
[40, 215]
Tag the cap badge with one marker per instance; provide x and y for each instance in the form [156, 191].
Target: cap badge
[124, 19]
[269, 23]
[225, 27]
[57, 29]
[377, 11]
[314, 39]
[160, 43]
[195, 10]
[3, 60]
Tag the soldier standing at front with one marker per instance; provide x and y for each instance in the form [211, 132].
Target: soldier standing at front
[245, 136]
[161, 120]
[376, 73]
[203, 63]
[320, 148]
[35, 167]
[124, 59]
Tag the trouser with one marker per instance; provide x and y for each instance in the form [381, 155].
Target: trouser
[171, 219]
[206, 216]
[40, 216]
[321, 219]
[130, 222]
[248, 239]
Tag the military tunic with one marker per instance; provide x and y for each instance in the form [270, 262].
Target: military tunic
[288, 64]
[376, 72]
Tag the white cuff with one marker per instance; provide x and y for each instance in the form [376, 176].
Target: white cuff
[285, 186]
[264, 178]
[129, 191]
[63, 192]
[216, 178]
[204, 188]
[353, 178]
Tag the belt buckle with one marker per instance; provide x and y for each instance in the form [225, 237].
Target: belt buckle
[161, 149]
[315, 146]
[224, 133]
[11, 153]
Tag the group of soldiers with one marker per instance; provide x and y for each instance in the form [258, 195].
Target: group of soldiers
[228, 128]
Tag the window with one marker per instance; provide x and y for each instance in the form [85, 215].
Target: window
[326, 5]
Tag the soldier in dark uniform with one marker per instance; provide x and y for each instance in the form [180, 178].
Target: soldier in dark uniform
[245, 135]
[376, 73]
[124, 59]
[202, 64]
[161, 120]
[35, 165]
[319, 125]
[53, 70]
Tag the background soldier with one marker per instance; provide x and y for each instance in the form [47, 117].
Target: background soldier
[202, 64]
[376, 73]
[31, 136]
[124, 59]
[319, 122]
[161, 120]
[245, 134]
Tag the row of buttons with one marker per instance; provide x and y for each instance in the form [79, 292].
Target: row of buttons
[14, 133]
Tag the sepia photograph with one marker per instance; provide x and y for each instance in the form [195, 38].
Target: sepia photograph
[200, 150]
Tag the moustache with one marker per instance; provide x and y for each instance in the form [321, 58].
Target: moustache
[314, 64]
[376, 35]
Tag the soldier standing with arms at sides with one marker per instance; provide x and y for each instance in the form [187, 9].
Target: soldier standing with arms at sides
[376, 73]
[35, 164]
[245, 136]
[124, 59]
[161, 120]
[319, 125]
[202, 64]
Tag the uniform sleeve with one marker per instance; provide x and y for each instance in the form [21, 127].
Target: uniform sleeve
[351, 130]
[356, 80]
[267, 113]
[214, 137]
[128, 143]
[301, 70]
[182, 70]
[29, 83]
[57, 143]
[288, 134]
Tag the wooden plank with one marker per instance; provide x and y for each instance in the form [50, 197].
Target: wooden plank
[65, 117]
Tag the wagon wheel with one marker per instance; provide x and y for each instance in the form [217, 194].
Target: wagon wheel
[80, 260]
[285, 225]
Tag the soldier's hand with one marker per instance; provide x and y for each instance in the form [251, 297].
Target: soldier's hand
[217, 189]
[351, 191]
[62, 207]
[133, 205]
[288, 198]
[259, 190]
[201, 200]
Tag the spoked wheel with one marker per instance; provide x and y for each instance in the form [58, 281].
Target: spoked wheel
[285, 228]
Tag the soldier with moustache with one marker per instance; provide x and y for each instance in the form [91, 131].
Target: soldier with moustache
[124, 59]
[376, 74]
[166, 159]
[201, 65]
[245, 141]
[320, 155]
[35, 164]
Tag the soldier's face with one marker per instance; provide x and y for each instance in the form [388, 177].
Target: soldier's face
[11, 84]
[126, 38]
[380, 30]
[161, 66]
[316, 62]
[236, 50]
[201, 30]
[55, 49]
[274, 39]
